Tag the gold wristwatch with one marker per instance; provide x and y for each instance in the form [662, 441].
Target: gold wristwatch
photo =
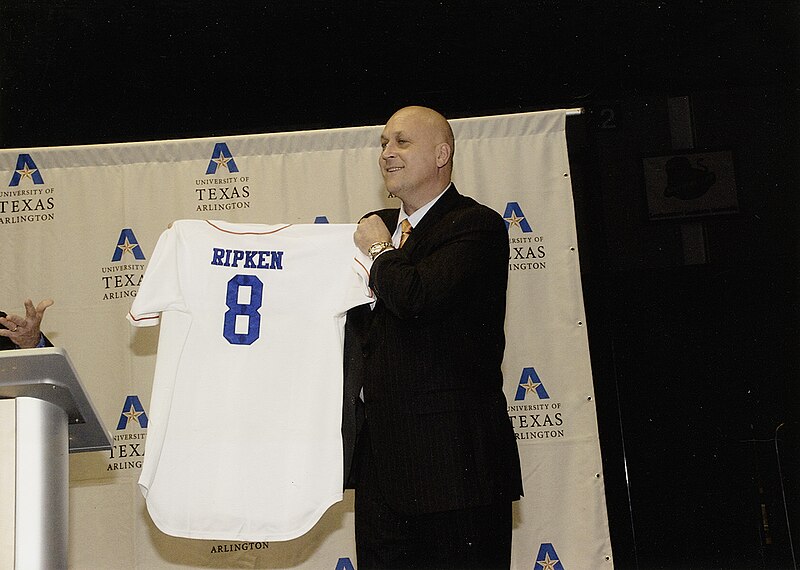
[377, 248]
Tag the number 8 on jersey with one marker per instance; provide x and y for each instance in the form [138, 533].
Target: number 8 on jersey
[247, 310]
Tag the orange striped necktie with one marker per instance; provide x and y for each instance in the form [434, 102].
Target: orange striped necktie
[405, 228]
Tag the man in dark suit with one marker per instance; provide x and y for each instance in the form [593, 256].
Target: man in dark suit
[24, 332]
[434, 459]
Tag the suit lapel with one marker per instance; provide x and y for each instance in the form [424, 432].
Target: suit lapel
[442, 206]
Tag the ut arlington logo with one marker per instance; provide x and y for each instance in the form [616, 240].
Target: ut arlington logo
[221, 156]
[127, 243]
[344, 564]
[122, 280]
[127, 451]
[514, 216]
[529, 382]
[25, 168]
[547, 559]
[132, 411]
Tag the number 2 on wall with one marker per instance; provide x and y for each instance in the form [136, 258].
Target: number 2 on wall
[248, 310]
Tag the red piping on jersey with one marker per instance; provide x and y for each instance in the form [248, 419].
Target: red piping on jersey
[142, 319]
[247, 233]
[371, 294]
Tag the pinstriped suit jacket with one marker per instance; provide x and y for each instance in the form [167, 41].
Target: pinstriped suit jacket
[428, 357]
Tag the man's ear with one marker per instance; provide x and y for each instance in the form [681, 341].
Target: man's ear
[443, 154]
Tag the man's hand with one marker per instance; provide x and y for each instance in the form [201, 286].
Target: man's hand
[370, 230]
[25, 331]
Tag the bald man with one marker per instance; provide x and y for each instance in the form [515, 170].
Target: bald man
[426, 431]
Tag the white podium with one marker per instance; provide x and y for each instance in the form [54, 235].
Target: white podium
[44, 414]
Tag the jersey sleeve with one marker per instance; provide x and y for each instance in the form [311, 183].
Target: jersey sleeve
[361, 266]
[160, 289]
[357, 290]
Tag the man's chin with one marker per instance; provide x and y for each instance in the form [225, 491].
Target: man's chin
[394, 190]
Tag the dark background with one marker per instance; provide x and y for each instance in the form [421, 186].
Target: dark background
[695, 356]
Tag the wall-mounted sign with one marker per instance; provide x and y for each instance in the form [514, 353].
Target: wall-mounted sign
[688, 185]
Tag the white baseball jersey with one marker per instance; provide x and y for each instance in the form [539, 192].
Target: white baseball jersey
[244, 440]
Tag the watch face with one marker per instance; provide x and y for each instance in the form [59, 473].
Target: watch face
[376, 248]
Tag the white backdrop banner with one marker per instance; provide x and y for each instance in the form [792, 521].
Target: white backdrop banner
[79, 224]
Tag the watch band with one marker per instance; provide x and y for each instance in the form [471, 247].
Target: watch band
[378, 248]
